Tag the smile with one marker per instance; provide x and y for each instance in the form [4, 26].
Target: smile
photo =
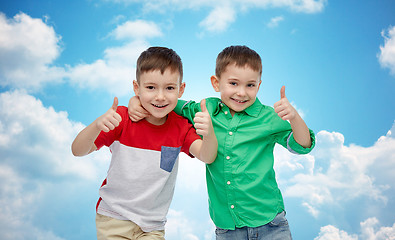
[239, 101]
[159, 106]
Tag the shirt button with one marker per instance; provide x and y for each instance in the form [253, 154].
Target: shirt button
[226, 112]
[227, 157]
[232, 206]
[228, 182]
[230, 133]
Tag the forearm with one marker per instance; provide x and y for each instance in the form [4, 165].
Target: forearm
[208, 150]
[84, 143]
[300, 131]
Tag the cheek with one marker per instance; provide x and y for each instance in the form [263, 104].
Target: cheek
[227, 91]
[173, 96]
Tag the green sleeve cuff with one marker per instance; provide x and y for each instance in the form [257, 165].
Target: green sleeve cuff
[180, 105]
[295, 147]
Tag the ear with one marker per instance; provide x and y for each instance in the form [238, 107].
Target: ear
[136, 87]
[181, 91]
[259, 84]
[215, 83]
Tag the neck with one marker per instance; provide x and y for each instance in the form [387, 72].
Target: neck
[156, 121]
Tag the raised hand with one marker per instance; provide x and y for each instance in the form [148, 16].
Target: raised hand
[110, 119]
[203, 124]
[283, 108]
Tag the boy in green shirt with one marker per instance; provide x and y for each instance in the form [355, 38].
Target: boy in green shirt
[244, 199]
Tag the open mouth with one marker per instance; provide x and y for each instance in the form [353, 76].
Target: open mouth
[159, 106]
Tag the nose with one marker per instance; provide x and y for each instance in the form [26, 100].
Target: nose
[241, 91]
[160, 96]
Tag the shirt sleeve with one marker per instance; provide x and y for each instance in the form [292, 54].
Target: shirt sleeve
[295, 147]
[107, 138]
[191, 136]
[284, 136]
[187, 109]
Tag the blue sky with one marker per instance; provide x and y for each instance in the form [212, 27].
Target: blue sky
[62, 62]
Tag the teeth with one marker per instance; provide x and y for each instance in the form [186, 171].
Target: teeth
[240, 101]
[159, 106]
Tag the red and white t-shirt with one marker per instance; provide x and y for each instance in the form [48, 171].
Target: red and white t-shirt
[141, 178]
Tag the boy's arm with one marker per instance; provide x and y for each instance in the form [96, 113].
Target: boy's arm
[135, 109]
[84, 143]
[188, 109]
[205, 150]
[300, 130]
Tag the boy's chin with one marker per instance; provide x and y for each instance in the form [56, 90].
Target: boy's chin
[160, 115]
[237, 109]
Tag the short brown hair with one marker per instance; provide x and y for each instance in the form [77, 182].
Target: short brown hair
[241, 56]
[158, 58]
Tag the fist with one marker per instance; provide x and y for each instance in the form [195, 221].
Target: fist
[203, 124]
[110, 119]
[283, 108]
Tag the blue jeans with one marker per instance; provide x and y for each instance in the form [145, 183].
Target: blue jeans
[277, 229]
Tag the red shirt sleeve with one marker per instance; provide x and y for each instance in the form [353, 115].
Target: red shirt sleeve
[107, 138]
[190, 137]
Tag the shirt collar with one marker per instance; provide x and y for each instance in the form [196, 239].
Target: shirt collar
[252, 110]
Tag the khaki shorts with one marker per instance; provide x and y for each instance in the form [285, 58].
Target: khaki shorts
[109, 228]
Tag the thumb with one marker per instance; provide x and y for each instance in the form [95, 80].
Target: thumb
[282, 92]
[115, 104]
[203, 105]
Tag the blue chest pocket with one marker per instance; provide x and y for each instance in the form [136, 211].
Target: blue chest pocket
[168, 157]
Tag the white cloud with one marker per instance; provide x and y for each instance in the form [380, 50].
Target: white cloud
[40, 138]
[191, 174]
[219, 18]
[335, 174]
[306, 6]
[138, 29]
[182, 227]
[369, 231]
[28, 47]
[16, 206]
[332, 233]
[274, 22]
[387, 52]
[179, 227]
[37, 170]
[223, 13]
[116, 71]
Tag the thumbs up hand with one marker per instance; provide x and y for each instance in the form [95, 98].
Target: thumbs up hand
[203, 124]
[110, 119]
[283, 108]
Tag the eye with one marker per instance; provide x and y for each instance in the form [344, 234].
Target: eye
[170, 88]
[233, 83]
[150, 87]
[251, 85]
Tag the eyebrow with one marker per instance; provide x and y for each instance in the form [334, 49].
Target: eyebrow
[237, 79]
[155, 83]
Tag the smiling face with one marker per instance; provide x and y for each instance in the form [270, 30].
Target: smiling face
[238, 87]
[159, 93]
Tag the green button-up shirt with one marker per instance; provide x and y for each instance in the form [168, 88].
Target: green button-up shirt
[241, 182]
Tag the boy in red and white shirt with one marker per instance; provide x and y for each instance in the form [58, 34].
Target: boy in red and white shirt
[136, 195]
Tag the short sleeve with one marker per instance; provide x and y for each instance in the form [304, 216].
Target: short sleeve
[107, 138]
[190, 137]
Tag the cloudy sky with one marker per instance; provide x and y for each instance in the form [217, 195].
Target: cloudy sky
[62, 62]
